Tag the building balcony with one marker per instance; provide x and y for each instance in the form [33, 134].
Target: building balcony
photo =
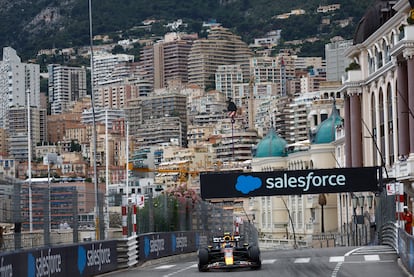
[354, 75]
[404, 168]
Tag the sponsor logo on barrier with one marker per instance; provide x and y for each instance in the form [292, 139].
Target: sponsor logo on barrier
[201, 240]
[153, 246]
[93, 257]
[6, 270]
[178, 242]
[98, 257]
[44, 265]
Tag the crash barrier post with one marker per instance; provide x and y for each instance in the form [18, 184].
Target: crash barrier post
[406, 249]
[389, 235]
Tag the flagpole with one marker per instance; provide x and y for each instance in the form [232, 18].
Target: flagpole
[95, 171]
[29, 159]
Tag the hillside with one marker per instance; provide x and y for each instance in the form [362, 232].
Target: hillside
[29, 26]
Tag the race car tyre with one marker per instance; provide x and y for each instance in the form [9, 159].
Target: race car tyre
[202, 259]
[254, 255]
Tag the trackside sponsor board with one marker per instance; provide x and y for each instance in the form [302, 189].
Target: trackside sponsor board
[157, 245]
[76, 260]
[248, 184]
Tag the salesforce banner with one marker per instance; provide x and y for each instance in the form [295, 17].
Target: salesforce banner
[78, 260]
[157, 245]
[295, 182]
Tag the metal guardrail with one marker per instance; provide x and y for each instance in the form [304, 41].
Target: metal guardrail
[389, 235]
[405, 249]
[127, 249]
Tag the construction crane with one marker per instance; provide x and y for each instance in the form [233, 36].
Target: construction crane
[182, 171]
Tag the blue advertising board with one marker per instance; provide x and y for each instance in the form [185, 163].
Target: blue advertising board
[293, 182]
[157, 245]
[81, 260]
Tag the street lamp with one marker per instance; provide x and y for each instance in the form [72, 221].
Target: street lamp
[361, 200]
[370, 199]
[354, 207]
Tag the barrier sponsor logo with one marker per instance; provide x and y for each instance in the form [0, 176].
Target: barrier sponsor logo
[6, 270]
[200, 240]
[44, 265]
[93, 259]
[178, 242]
[153, 246]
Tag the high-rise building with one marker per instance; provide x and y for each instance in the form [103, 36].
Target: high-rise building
[66, 85]
[336, 61]
[116, 95]
[107, 68]
[166, 60]
[157, 119]
[17, 81]
[226, 77]
[220, 48]
[18, 127]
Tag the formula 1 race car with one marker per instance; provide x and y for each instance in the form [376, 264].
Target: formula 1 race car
[226, 253]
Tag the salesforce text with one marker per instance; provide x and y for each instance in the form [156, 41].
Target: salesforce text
[305, 182]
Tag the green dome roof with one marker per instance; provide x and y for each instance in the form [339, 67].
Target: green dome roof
[271, 146]
[325, 133]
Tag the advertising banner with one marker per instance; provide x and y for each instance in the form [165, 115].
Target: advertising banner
[296, 182]
[87, 259]
[157, 245]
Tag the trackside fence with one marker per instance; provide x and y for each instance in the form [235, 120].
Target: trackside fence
[406, 249]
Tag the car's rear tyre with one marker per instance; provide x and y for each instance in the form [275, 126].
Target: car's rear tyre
[203, 259]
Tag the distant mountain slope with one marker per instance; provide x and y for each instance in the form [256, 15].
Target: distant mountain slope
[32, 25]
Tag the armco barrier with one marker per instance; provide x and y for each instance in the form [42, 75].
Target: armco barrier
[389, 235]
[406, 250]
[84, 259]
[98, 257]
[158, 245]
[127, 250]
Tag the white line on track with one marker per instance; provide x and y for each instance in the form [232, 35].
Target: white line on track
[179, 271]
[371, 258]
[270, 261]
[302, 260]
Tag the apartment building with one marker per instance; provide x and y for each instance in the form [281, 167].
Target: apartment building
[68, 200]
[18, 81]
[18, 132]
[226, 77]
[160, 118]
[116, 95]
[221, 47]
[336, 61]
[105, 66]
[166, 60]
[66, 85]
[58, 123]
